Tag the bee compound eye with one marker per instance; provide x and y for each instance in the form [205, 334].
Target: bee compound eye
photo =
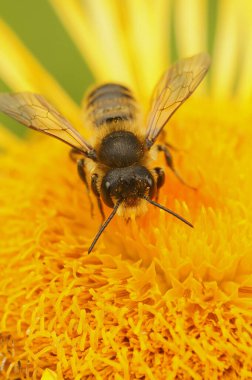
[107, 185]
[106, 192]
[150, 185]
[149, 181]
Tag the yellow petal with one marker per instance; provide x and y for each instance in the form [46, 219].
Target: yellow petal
[191, 26]
[227, 48]
[101, 47]
[244, 87]
[146, 27]
[22, 72]
[125, 47]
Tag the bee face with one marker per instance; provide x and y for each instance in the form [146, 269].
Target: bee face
[119, 161]
[128, 185]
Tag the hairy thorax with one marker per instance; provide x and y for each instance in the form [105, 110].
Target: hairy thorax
[120, 149]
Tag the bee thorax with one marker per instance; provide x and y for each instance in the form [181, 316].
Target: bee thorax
[120, 149]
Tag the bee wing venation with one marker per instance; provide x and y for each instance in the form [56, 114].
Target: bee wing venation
[175, 86]
[33, 111]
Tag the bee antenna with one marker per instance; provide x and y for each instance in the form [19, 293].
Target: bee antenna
[104, 225]
[167, 210]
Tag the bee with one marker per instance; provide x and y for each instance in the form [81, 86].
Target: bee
[120, 162]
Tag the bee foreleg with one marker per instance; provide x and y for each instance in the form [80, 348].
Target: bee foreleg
[96, 192]
[82, 174]
[170, 163]
[160, 180]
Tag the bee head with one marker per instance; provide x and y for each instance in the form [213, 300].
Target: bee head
[127, 184]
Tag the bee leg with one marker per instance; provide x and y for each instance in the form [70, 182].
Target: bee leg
[82, 174]
[160, 180]
[75, 154]
[96, 192]
[169, 161]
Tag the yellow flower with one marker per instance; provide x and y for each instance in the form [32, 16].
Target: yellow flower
[155, 300]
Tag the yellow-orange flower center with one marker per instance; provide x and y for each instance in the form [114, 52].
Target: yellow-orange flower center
[154, 295]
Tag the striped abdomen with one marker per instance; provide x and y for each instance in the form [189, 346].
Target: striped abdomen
[110, 103]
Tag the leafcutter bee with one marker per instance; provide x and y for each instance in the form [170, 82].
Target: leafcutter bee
[119, 164]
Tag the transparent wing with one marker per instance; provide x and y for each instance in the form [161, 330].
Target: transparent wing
[35, 112]
[176, 85]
